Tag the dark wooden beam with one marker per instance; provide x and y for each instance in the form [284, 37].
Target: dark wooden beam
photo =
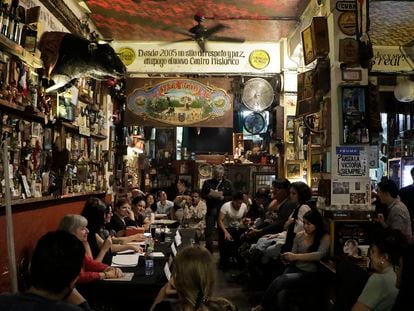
[64, 14]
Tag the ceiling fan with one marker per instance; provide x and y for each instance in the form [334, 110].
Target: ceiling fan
[201, 34]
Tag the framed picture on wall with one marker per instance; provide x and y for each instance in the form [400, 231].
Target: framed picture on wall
[187, 178]
[294, 169]
[165, 141]
[48, 138]
[308, 46]
[354, 121]
[290, 122]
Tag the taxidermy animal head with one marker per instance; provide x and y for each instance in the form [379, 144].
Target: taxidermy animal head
[67, 57]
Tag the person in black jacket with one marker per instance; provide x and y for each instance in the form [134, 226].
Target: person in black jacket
[215, 192]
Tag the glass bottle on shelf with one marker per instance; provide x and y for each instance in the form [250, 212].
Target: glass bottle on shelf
[12, 19]
[5, 23]
[346, 134]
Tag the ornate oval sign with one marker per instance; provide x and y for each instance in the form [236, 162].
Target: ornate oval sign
[179, 102]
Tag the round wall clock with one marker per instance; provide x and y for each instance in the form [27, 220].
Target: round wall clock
[257, 94]
[254, 123]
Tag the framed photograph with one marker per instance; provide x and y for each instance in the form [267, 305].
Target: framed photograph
[290, 122]
[187, 178]
[308, 45]
[112, 138]
[352, 75]
[354, 121]
[294, 169]
[110, 160]
[48, 138]
[240, 176]
[290, 137]
[165, 141]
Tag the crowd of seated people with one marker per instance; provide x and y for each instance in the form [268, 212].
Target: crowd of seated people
[279, 232]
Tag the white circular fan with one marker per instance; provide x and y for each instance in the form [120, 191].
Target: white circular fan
[404, 91]
[257, 94]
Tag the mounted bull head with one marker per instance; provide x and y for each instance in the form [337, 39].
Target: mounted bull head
[67, 57]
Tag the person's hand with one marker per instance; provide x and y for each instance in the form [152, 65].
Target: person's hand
[271, 236]
[138, 237]
[107, 244]
[112, 273]
[136, 248]
[288, 257]
[216, 194]
[253, 232]
[380, 219]
[227, 236]
[290, 221]
[118, 273]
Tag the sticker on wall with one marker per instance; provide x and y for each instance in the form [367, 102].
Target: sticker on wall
[347, 23]
[259, 59]
[127, 55]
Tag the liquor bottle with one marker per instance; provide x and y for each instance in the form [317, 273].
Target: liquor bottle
[12, 19]
[1, 13]
[346, 134]
[365, 135]
[5, 24]
[19, 23]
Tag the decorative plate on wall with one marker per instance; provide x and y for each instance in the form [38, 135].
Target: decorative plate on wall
[205, 170]
[254, 123]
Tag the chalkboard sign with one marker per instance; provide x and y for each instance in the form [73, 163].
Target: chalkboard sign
[343, 230]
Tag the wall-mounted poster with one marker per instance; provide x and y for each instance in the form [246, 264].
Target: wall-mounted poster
[294, 170]
[178, 102]
[351, 193]
[355, 125]
[307, 44]
[352, 161]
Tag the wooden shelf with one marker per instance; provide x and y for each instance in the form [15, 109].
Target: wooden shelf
[51, 198]
[74, 128]
[13, 48]
[22, 111]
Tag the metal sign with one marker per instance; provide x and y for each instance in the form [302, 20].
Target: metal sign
[344, 6]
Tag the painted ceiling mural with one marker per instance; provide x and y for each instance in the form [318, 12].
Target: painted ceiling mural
[148, 20]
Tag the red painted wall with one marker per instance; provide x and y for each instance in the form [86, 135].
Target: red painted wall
[30, 223]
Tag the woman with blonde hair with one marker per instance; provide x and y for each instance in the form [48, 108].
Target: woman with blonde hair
[192, 282]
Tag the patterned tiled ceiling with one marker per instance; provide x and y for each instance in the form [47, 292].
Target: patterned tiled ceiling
[146, 20]
[392, 22]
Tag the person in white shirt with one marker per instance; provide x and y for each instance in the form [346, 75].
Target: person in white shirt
[164, 205]
[232, 224]
[194, 214]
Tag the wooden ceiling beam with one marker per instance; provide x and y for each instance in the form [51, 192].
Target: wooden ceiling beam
[64, 14]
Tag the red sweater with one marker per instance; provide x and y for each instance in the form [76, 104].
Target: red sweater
[90, 270]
